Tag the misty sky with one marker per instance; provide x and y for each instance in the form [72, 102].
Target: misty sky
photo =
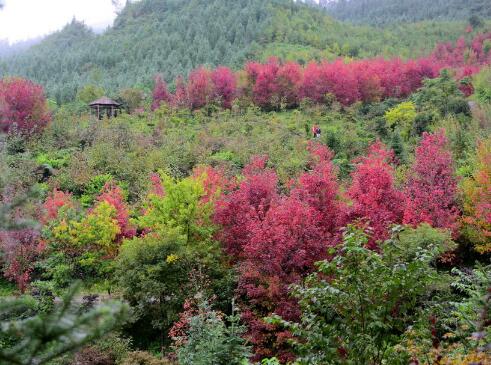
[24, 19]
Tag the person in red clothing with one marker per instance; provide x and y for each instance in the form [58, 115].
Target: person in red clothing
[316, 131]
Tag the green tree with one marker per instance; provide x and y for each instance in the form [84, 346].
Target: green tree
[89, 93]
[152, 273]
[441, 96]
[132, 98]
[356, 308]
[482, 86]
[41, 338]
[214, 339]
[157, 272]
[402, 118]
[182, 208]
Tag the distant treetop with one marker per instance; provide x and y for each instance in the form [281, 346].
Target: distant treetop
[381, 12]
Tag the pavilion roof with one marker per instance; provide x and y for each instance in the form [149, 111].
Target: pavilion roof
[104, 101]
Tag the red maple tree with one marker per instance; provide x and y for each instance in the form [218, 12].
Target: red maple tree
[375, 198]
[431, 190]
[23, 106]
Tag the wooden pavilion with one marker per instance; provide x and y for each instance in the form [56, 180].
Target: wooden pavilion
[105, 107]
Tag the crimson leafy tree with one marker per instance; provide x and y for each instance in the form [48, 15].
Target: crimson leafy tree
[160, 93]
[275, 240]
[23, 106]
[224, 86]
[242, 209]
[200, 88]
[431, 191]
[20, 248]
[374, 195]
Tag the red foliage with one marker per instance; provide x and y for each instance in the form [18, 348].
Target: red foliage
[276, 240]
[373, 193]
[273, 84]
[289, 81]
[160, 93]
[365, 80]
[20, 251]
[224, 86]
[157, 187]
[200, 88]
[463, 75]
[178, 331]
[214, 182]
[369, 82]
[281, 250]
[23, 106]
[113, 195]
[319, 189]
[180, 98]
[56, 200]
[241, 210]
[265, 89]
[431, 191]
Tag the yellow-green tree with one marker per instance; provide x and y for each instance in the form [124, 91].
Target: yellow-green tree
[477, 200]
[98, 229]
[402, 117]
[89, 93]
[181, 207]
[87, 242]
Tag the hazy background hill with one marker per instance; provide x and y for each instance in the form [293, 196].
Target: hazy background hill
[380, 12]
[172, 37]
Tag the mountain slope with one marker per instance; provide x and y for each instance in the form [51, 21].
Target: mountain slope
[380, 12]
[168, 36]
[172, 37]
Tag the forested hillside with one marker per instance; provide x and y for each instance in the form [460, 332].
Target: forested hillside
[381, 12]
[150, 36]
[172, 37]
[276, 188]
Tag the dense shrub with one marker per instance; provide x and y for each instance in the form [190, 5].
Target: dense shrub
[359, 304]
[23, 106]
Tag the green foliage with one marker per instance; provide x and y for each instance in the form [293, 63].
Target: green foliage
[172, 37]
[94, 188]
[159, 271]
[384, 12]
[143, 358]
[44, 337]
[132, 98]
[272, 361]
[7, 288]
[79, 245]
[441, 96]
[301, 33]
[98, 228]
[89, 93]
[214, 339]
[476, 199]
[180, 209]
[473, 313]
[54, 159]
[151, 272]
[402, 117]
[482, 86]
[360, 303]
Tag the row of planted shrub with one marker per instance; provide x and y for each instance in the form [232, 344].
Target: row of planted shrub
[273, 84]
